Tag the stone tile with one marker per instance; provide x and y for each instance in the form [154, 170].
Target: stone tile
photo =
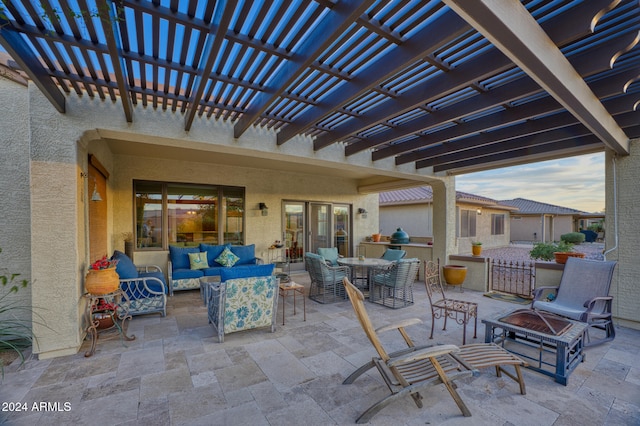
[194, 403]
[137, 363]
[165, 383]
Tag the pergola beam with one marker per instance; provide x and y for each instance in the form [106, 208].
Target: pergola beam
[510, 27]
[25, 57]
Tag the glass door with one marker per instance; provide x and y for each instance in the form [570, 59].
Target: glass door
[294, 232]
[341, 229]
[320, 226]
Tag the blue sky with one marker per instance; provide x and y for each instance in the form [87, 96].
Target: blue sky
[576, 182]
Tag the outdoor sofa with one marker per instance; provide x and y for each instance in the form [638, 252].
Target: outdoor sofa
[188, 264]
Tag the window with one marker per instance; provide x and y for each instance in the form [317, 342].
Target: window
[187, 214]
[497, 224]
[467, 223]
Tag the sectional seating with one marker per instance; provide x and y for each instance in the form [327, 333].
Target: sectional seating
[188, 264]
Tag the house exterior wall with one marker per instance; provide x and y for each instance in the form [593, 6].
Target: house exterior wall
[528, 227]
[415, 219]
[622, 199]
[483, 229]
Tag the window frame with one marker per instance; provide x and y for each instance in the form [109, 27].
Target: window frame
[222, 195]
[470, 229]
[497, 223]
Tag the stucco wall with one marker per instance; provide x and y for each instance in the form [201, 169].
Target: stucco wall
[415, 219]
[15, 224]
[622, 201]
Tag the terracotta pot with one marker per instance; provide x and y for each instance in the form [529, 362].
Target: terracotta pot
[103, 281]
[476, 250]
[454, 274]
[104, 320]
[376, 238]
[561, 256]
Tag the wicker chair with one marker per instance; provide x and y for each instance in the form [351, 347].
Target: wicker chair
[443, 307]
[392, 286]
[326, 281]
[144, 287]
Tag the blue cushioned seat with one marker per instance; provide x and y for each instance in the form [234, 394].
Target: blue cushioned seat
[330, 254]
[179, 256]
[247, 254]
[245, 272]
[213, 251]
[180, 274]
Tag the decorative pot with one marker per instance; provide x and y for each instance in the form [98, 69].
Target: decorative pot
[104, 320]
[102, 281]
[476, 250]
[376, 238]
[561, 256]
[454, 274]
[399, 237]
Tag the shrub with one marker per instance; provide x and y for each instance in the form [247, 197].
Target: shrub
[15, 333]
[573, 237]
[544, 251]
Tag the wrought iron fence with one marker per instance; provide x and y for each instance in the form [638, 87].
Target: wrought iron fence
[512, 277]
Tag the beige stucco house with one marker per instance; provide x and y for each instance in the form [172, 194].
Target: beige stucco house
[281, 124]
[477, 218]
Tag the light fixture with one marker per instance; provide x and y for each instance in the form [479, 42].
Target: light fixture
[479, 211]
[96, 195]
[264, 209]
[362, 212]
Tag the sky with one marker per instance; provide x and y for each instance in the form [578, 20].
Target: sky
[575, 182]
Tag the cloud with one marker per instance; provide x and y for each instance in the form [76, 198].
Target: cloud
[576, 182]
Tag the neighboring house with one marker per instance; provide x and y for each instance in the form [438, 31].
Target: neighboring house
[477, 218]
[535, 221]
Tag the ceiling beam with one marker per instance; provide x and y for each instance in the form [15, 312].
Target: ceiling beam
[222, 17]
[110, 28]
[15, 45]
[337, 21]
[446, 28]
[510, 27]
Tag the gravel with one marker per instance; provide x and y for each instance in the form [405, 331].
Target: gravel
[520, 252]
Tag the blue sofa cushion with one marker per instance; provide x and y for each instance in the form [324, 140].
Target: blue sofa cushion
[125, 267]
[180, 256]
[213, 270]
[213, 252]
[181, 274]
[246, 271]
[152, 284]
[247, 254]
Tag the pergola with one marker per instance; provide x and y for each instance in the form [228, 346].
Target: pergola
[456, 85]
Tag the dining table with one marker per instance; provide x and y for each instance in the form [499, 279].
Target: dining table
[366, 266]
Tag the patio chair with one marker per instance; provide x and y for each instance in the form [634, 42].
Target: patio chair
[145, 287]
[326, 281]
[409, 371]
[443, 307]
[243, 300]
[394, 254]
[392, 286]
[583, 295]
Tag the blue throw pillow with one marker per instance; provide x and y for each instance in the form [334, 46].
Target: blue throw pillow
[246, 271]
[125, 267]
[330, 254]
[247, 254]
[213, 252]
[180, 256]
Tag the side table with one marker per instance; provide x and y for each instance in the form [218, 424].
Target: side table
[100, 319]
[204, 286]
[295, 288]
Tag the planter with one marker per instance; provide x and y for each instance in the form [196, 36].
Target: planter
[454, 274]
[104, 320]
[561, 256]
[103, 281]
[476, 250]
[376, 238]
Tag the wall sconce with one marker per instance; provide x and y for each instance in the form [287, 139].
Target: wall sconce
[362, 212]
[479, 211]
[263, 209]
[96, 195]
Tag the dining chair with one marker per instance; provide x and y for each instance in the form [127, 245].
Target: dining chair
[392, 285]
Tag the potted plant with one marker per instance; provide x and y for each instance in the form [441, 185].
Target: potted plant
[476, 248]
[558, 251]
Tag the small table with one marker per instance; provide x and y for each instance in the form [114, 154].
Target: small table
[101, 320]
[367, 263]
[562, 353]
[204, 286]
[295, 288]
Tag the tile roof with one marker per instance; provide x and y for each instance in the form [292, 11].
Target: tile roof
[532, 207]
[424, 194]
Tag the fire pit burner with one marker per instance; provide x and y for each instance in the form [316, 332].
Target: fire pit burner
[541, 322]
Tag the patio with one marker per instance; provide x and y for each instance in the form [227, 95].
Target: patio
[176, 373]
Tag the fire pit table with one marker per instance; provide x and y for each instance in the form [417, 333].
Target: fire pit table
[553, 345]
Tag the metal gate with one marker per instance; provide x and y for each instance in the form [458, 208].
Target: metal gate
[512, 277]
